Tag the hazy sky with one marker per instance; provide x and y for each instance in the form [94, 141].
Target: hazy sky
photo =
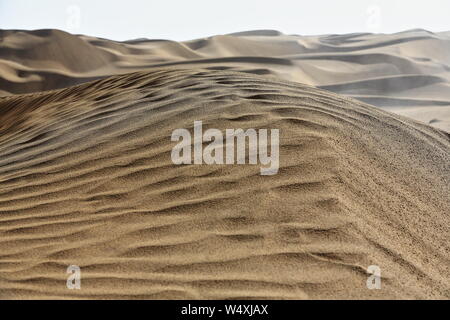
[189, 19]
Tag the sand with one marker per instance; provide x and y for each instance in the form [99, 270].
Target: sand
[86, 179]
[407, 73]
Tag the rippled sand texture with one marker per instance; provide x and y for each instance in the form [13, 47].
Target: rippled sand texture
[86, 179]
[407, 73]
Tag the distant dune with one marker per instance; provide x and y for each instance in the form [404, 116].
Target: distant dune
[407, 73]
[86, 176]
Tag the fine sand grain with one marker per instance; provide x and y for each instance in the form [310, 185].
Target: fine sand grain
[86, 179]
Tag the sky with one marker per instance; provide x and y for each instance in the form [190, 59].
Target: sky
[191, 19]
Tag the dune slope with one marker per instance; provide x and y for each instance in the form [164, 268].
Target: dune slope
[86, 179]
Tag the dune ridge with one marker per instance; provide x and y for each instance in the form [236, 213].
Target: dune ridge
[407, 73]
[86, 179]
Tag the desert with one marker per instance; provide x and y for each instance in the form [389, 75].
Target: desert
[87, 178]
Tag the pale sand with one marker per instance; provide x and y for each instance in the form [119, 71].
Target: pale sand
[86, 179]
[407, 73]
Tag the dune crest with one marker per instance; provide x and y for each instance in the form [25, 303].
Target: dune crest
[86, 179]
[407, 73]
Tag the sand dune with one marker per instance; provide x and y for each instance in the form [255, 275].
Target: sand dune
[86, 179]
[407, 73]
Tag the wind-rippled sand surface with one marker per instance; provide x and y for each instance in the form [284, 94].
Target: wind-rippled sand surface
[86, 179]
